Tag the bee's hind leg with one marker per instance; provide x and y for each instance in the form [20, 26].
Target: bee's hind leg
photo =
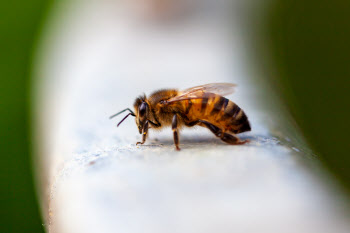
[228, 138]
[175, 132]
[232, 139]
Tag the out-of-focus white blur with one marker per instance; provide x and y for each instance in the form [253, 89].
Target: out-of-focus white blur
[96, 58]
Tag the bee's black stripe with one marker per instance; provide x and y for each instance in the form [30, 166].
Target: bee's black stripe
[242, 123]
[235, 114]
[231, 111]
[225, 103]
[204, 104]
[234, 110]
[218, 105]
[188, 107]
[245, 127]
[242, 119]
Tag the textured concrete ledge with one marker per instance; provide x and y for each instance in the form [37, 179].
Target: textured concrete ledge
[94, 63]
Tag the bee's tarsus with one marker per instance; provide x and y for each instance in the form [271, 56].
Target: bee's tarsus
[144, 133]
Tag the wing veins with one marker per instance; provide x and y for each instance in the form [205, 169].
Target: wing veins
[197, 92]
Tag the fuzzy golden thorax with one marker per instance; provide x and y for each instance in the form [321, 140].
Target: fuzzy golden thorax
[152, 110]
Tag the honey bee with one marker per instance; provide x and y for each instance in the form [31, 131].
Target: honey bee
[201, 105]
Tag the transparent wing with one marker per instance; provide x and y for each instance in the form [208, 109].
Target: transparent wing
[198, 91]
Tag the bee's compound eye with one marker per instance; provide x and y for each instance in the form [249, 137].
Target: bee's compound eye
[142, 109]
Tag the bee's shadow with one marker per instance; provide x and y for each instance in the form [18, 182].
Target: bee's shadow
[206, 140]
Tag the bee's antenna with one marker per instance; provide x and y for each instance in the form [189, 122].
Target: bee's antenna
[127, 109]
[124, 119]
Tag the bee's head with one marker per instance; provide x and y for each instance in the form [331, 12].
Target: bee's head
[141, 112]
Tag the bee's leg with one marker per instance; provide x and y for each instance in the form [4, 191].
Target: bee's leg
[214, 129]
[192, 123]
[232, 139]
[175, 131]
[144, 133]
[228, 138]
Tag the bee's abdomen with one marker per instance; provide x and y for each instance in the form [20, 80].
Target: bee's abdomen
[235, 118]
[219, 111]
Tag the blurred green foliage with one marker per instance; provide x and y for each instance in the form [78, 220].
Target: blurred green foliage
[310, 46]
[19, 27]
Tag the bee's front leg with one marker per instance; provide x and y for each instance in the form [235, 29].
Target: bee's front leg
[175, 131]
[144, 133]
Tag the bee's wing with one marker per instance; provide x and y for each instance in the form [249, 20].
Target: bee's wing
[198, 91]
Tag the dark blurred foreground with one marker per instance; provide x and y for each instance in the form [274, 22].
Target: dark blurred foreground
[19, 27]
[310, 45]
[309, 42]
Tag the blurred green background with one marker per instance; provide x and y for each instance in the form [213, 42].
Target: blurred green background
[20, 23]
[309, 42]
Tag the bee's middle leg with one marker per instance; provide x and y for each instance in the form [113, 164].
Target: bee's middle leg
[144, 133]
[175, 132]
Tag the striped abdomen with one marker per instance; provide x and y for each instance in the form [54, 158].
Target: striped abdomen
[219, 111]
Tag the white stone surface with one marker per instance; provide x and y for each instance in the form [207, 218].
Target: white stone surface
[96, 59]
